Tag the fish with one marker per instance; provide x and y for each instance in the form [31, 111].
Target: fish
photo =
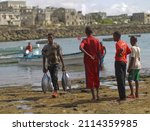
[66, 82]
[46, 83]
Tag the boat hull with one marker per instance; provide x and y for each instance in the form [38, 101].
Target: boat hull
[69, 59]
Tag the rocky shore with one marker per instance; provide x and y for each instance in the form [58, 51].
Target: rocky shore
[29, 100]
[15, 34]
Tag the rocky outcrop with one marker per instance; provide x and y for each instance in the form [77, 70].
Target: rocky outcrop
[69, 31]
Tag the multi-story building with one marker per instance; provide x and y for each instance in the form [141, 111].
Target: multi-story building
[10, 12]
[67, 17]
[120, 19]
[10, 18]
[12, 5]
[141, 18]
[28, 15]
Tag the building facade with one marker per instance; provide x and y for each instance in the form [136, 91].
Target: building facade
[10, 18]
[141, 18]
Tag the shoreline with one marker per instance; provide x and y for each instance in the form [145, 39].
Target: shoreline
[26, 100]
[78, 78]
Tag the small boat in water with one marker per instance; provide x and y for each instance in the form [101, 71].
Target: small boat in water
[42, 42]
[36, 60]
[108, 39]
[136, 35]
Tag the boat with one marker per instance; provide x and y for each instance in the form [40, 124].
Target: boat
[8, 60]
[108, 39]
[42, 42]
[136, 35]
[36, 60]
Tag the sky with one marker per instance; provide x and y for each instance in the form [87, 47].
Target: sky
[111, 7]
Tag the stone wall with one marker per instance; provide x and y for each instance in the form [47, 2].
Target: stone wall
[69, 31]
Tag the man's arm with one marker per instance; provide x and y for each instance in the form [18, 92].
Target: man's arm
[44, 60]
[130, 64]
[62, 62]
[86, 53]
[59, 52]
[44, 64]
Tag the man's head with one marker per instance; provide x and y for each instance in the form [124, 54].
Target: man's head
[133, 40]
[116, 36]
[29, 43]
[88, 30]
[50, 38]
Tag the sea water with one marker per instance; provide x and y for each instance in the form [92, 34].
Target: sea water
[14, 74]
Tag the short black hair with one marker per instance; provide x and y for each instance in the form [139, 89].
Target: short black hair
[133, 37]
[50, 34]
[117, 33]
[88, 30]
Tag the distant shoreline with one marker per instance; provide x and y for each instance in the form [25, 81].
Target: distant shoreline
[17, 34]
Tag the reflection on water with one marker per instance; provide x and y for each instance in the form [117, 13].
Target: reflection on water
[15, 75]
[12, 75]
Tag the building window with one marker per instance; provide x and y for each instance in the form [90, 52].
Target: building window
[10, 16]
[4, 16]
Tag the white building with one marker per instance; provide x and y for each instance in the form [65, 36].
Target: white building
[10, 18]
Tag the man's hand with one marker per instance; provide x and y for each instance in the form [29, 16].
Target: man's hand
[63, 68]
[128, 70]
[91, 57]
[45, 70]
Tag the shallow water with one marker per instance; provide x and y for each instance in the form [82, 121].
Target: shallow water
[15, 74]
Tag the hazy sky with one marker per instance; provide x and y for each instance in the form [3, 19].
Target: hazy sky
[112, 7]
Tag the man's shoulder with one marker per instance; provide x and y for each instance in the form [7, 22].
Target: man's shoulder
[134, 48]
[45, 46]
[55, 44]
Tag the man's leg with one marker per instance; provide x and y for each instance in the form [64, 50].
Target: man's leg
[93, 94]
[137, 89]
[120, 80]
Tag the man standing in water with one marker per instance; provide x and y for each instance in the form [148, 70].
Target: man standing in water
[51, 57]
[122, 50]
[91, 48]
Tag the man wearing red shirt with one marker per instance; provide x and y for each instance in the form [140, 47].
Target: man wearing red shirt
[91, 48]
[29, 47]
[122, 50]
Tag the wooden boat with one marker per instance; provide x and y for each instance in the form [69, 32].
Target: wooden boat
[136, 35]
[36, 60]
[8, 60]
[108, 39]
[42, 42]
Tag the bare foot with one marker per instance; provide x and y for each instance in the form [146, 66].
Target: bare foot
[98, 98]
[131, 96]
[136, 95]
[93, 99]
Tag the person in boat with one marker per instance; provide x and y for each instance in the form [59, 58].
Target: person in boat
[91, 48]
[28, 49]
[52, 56]
[122, 50]
[103, 53]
